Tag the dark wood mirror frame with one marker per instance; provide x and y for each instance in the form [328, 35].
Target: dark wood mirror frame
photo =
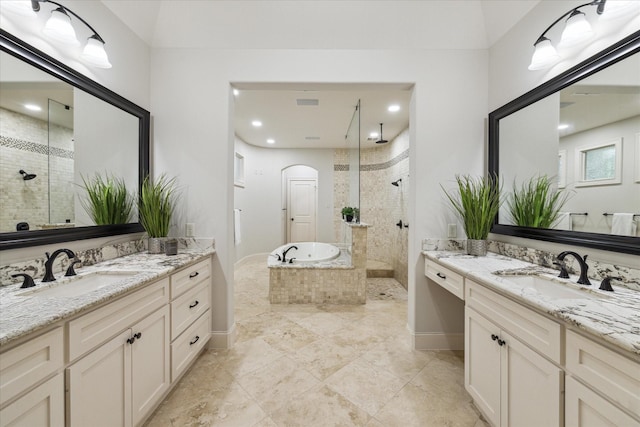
[613, 54]
[25, 52]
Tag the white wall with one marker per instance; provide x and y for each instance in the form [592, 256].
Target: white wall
[193, 109]
[262, 201]
[509, 78]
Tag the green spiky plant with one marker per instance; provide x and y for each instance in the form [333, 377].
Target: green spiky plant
[476, 203]
[156, 204]
[536, 203]
[107, 200]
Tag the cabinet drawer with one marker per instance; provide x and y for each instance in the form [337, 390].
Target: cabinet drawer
[188, 307]
[24, 366]
[184, 280]
[42, 406]
[583, 407]
[187, 346]
[528, 326]
[451, 281]
[92, 329]
[614, 375]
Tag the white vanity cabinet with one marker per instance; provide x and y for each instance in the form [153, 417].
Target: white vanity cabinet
[120, 382]
[512, 384]
[448, 279]
[32, 383]
[604, 373]
[190, 315]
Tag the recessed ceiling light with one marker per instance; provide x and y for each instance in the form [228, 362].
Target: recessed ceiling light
[563, 127]
[32, 107]
[236, 92]
[373, 135]
[256, 123]
[271, 141]
[393, 108]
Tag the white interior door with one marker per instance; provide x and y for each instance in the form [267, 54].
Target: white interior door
[301, 207]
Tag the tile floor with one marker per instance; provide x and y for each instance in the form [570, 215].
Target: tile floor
[328, 365]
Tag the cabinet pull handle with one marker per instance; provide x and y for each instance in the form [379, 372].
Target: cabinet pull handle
[501, 342]
[440, 275]
[137, 335]
[194, 304]
[131, 340]
[195, 340]
[194, 274]
[494, 337]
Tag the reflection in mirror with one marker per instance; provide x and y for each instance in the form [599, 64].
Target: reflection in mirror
[581, 131]
[579, 136]
[81, 129]
[63, 134]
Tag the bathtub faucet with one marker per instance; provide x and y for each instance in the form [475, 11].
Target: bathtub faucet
[284, 253]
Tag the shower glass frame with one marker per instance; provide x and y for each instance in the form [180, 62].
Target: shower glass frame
[352, 144]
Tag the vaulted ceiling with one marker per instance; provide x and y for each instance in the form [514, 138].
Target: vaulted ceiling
[320, 24]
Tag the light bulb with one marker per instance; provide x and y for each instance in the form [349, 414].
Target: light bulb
[577, 30]
[59, 28]
[94, 53]
[544, 56]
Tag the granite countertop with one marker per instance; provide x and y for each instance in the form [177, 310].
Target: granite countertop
[611, 316]
[23, 311]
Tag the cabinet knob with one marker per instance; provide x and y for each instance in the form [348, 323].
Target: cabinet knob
[501, 342]
[494, 337]
[194, 274]
[440, 275]
[131, 340]
[194, 304]
[137, 335]
[195, 340]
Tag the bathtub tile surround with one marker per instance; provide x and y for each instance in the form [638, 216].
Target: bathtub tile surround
[339, 281]
[89, 257]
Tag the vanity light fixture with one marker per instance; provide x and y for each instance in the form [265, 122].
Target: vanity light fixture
[577, 30]
[59, 28]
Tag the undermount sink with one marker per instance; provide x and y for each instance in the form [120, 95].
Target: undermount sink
[78, 285]
[548, 287]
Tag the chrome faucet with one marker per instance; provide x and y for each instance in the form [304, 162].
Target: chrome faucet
[284, 253]
[583, 279]
[48, 265]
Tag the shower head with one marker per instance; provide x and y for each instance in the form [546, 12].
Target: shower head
[381, 140]
[397, 183]
[26, 176]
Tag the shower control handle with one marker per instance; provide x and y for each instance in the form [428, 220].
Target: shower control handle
[399, 224]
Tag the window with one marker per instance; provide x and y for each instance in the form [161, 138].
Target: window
[599, 164]
[238, 170]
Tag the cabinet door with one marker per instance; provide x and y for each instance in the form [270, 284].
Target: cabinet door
[150, 364]
[100, 386]
[482, 364]
[584, 408]
[42, 406]
[531, 387]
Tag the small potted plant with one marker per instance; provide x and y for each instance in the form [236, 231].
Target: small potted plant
[476, 203]
[536, 203]
[107, 200]
[155, 205]
[347, 213]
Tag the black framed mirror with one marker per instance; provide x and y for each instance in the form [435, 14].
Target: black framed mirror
[547, 99]
[94, 94]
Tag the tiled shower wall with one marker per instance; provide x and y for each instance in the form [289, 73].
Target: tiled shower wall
[382, 205]
[24, 145]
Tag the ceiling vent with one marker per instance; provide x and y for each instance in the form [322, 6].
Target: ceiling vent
[307, 102]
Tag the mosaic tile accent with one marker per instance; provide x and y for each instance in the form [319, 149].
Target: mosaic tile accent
[34, 147]
[341, 168]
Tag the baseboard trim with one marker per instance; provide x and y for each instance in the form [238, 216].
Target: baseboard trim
[438, 341]
[222, 340]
